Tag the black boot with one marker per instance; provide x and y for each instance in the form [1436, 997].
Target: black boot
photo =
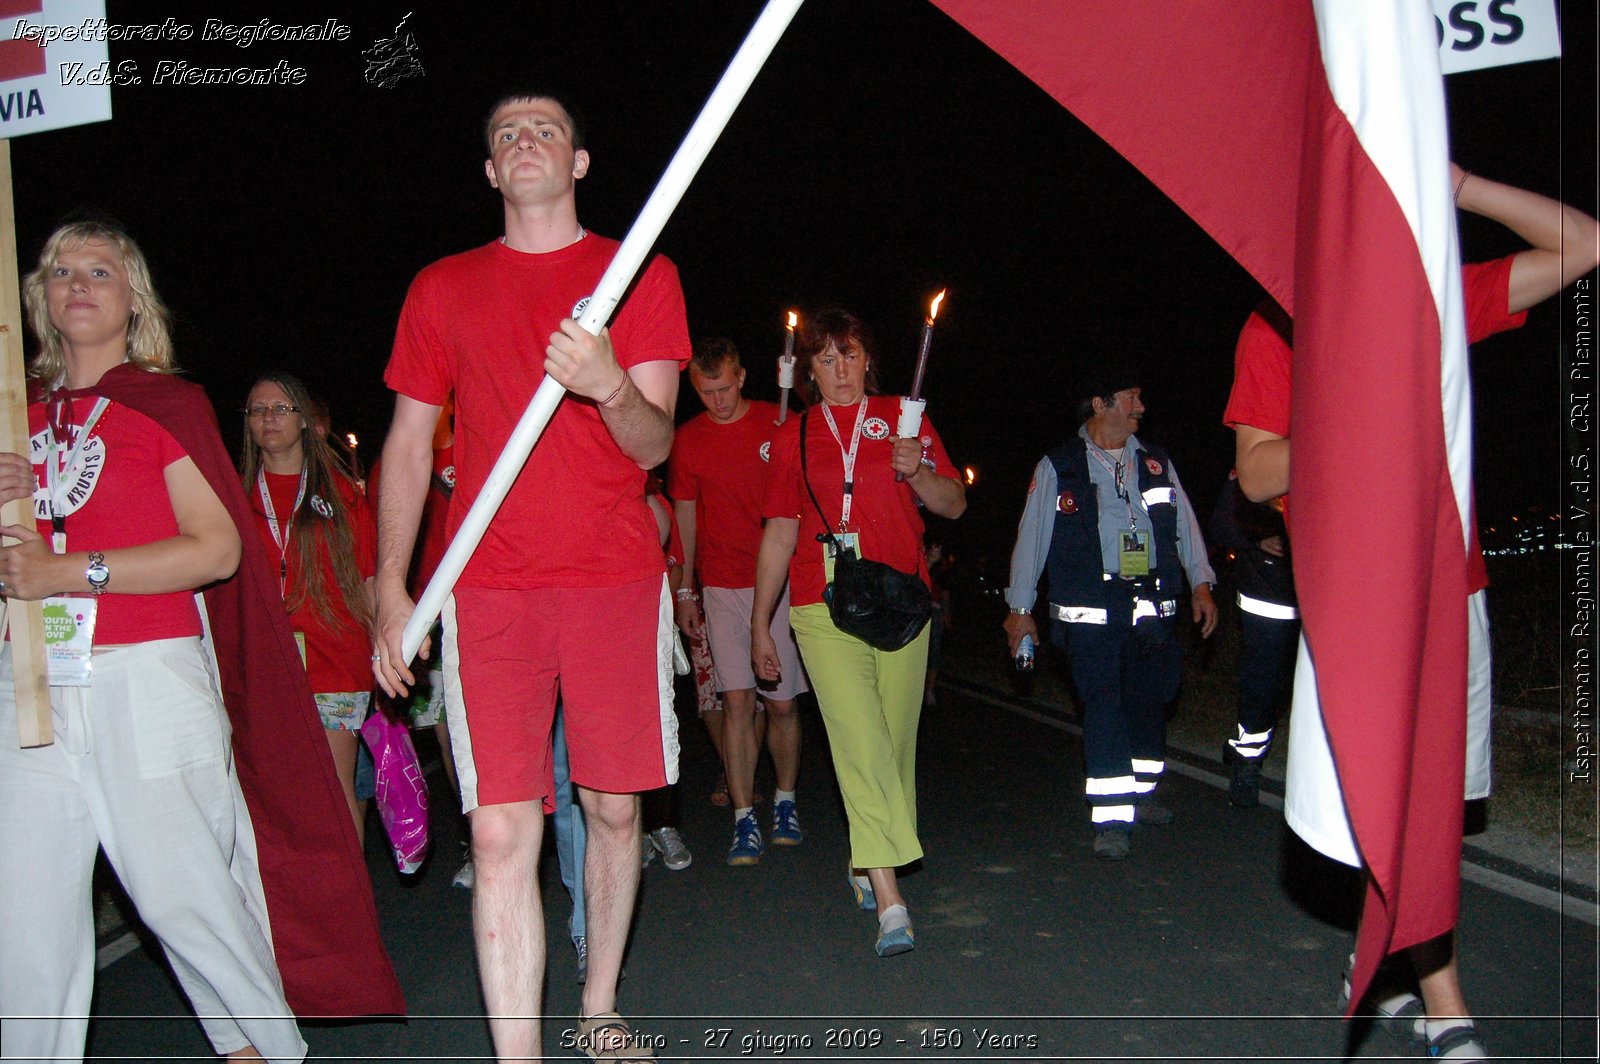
[1244, 788]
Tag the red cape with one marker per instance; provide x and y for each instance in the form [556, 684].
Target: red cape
[324, 921]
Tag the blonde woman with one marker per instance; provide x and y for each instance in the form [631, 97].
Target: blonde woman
[127, 528]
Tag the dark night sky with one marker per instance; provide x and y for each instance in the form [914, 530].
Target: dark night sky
[881, 155]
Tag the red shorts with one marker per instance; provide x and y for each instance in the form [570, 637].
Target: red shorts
[605, 650]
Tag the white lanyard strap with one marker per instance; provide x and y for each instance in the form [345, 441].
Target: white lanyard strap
[281, 538]
[849, 457]
[57, 467]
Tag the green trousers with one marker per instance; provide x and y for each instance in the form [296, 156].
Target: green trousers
[871, 702]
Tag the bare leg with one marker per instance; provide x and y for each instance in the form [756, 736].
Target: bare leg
[1439, 977]
[343, 745]
[714, 728]
[739, 745]
[508, 923]
[885, 886]
[783, 741]
[247, 1053]
[611, 882]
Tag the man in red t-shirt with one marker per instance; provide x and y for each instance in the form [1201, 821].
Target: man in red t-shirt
[718, 478]
[1565, 246]
[568, 588]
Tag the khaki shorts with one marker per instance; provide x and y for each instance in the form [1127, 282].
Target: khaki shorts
[728, 611]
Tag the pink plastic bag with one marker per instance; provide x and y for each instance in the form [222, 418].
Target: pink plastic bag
[402, 793]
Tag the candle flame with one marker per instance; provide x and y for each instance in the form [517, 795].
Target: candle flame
[933, 308]
[794, 320]
[350, 438]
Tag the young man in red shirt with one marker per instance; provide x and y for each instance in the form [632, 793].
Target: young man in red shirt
[717, 478]
[568, 588]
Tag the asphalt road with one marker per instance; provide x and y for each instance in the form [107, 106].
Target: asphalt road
[1221, 938]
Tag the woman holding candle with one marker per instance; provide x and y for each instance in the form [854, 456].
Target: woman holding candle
[870, 699]
[317, 525]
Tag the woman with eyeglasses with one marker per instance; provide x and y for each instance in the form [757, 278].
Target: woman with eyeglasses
[844, 482]
[130, 493]
[317, 526]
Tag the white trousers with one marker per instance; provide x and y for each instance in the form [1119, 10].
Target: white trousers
[141, 765]
[1313, 803]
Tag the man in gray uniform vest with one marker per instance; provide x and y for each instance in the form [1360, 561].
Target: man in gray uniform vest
[1108, 517]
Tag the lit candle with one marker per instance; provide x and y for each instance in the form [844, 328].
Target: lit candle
[911, 406]
[786, 370]
[927, 343]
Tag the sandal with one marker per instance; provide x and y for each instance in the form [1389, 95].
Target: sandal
[610, 1027]
[719, 793]
[1461, 1042]
[1402, 1014]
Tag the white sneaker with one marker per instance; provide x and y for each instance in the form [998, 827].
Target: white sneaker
[674, 854]
[464, 878]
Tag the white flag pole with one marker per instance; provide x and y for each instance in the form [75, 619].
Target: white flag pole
[746, 64]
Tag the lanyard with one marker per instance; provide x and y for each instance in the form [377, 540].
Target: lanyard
[281, 539]
[58, 422]
[849, 457]
[1116, 477]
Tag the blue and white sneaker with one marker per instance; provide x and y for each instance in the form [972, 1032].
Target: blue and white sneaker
[747, 845]
[861, 887]
[894, 933]
[786, 825]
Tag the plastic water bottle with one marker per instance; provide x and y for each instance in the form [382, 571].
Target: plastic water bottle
[1025, 654]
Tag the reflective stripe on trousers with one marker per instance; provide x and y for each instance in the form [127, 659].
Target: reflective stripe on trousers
[1251, 744]
[1277, 611]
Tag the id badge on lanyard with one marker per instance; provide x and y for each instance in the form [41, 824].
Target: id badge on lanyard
[69, 639]
[69, 620]
[1133, 559]
[847, 541]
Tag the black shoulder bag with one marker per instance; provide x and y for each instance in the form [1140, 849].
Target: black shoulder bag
[877, 603]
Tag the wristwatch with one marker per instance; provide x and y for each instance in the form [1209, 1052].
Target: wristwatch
[1022, 610]
[98, 574]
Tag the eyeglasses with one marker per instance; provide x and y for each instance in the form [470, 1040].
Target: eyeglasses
[276, 410]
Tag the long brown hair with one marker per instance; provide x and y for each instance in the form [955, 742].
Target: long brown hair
[310, 531]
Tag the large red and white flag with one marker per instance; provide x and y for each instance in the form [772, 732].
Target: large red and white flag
[1309, 140]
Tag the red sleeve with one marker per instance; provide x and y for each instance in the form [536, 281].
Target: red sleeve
[364, 531]
[784, 494]
[168, 449]
[1486, 288]
[419, 362]
[1260, 396]
[652, 325]
[681, 483]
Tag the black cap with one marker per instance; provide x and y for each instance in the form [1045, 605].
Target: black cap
[1107, 378]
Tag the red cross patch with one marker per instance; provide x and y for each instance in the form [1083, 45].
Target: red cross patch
[1154, 466]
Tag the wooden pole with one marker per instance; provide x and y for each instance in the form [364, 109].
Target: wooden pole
[26, 619]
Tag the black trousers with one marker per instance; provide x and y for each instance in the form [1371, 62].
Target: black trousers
[1126, 674]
